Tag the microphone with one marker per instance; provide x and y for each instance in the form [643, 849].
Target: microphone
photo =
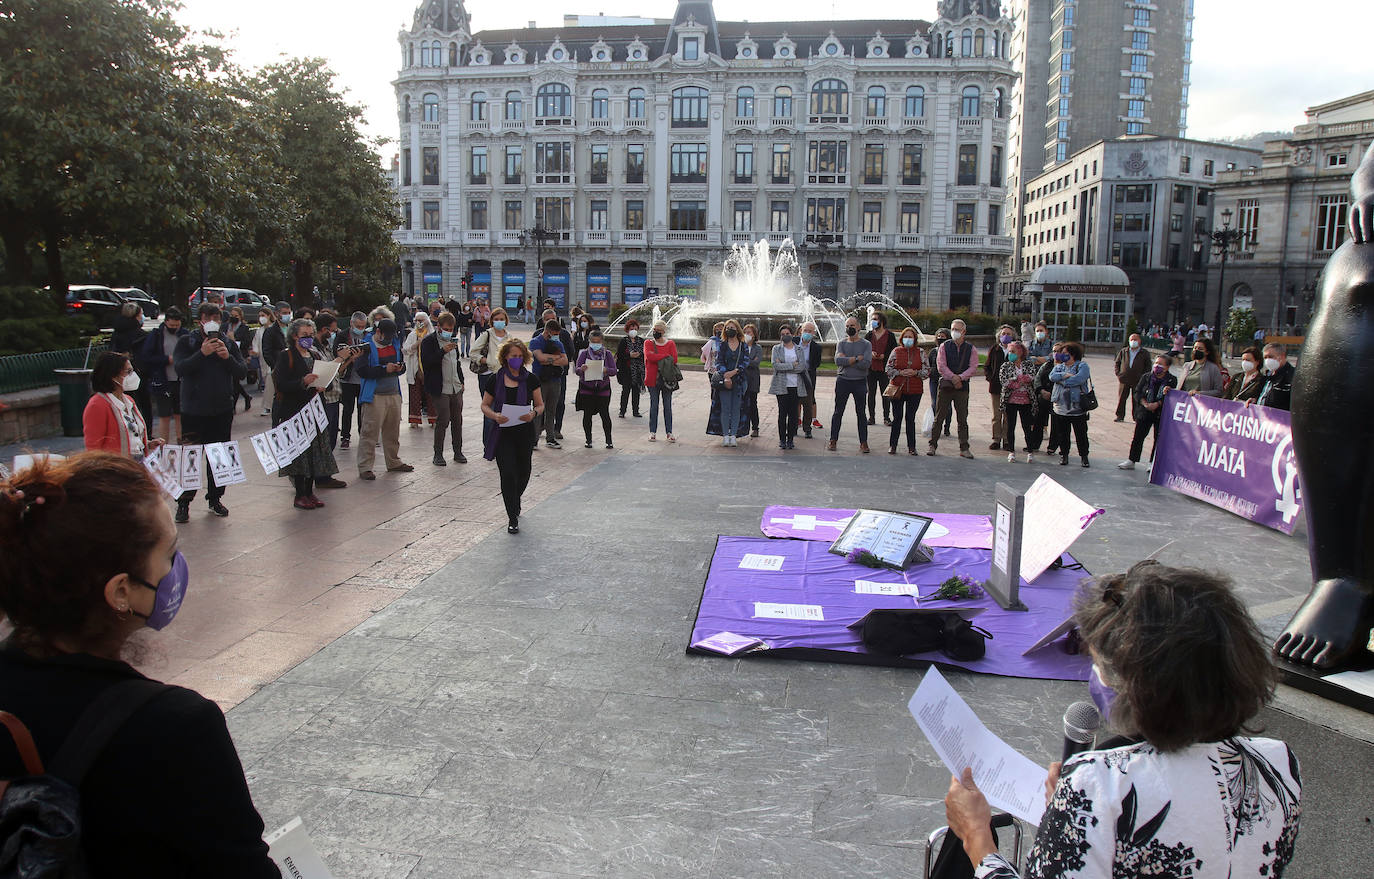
[1081, 722]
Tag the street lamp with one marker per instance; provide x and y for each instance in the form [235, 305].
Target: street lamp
[1223, 242]
[538, 235]
[824, 241]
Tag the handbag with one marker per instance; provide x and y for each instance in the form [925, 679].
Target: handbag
[903, 633]
[475, 356]
[1087, 401]
[892, 390]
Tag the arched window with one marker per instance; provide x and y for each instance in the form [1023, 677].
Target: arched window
[431, 105]
[479, 106]
[410, 55]
[782, 102]
[601, 104]
[830, 97]
[972, 100]
[979, 42]
[939, 46]
[1000, 104]
[966, 43]
[553, 100]
[452, 54]
[634, 104]
[424, 55]
[515, 106]
[915, 105]
[690, 106]
[876, 105]
[744, 103]
[996, 44]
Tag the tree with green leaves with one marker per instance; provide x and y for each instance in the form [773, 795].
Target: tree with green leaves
[1073, 330]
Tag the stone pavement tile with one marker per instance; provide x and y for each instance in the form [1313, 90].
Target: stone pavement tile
[463, 832]
[343, 662]
[235, 673]
[614, 847]
[303, 582]
[854, 812]
[467, 665]
[336, 610]
[420, 520]
[665, 713]
[516, 782]
[705, 798]
[278, 800]
[458, 729]
[644, 676]
[444, 868]
[395, 687]
[395, 767]
[502, 699]
[629, 750]
[778, 857]
[268, 716]
[356, 862]
[405, 618]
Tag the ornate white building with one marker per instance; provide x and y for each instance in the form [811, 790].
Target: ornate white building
[631, 157]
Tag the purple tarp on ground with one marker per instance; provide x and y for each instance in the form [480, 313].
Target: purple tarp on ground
[823, 523]
[809, 575]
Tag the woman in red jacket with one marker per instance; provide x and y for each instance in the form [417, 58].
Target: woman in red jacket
[658, 349]
[112, 422]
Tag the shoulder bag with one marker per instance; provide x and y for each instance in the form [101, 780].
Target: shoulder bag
[669, 375]
[1087, 401]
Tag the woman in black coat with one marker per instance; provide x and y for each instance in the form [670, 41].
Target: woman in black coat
[629, 364]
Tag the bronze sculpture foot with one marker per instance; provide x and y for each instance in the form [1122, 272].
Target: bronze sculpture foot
[1331, 625]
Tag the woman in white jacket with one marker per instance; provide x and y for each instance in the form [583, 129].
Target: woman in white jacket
[419, 397]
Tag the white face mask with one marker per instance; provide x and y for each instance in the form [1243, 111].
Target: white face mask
[131, 381]
[956, 335]
[264, 321]
[210, 326]
[1039, 335]
[634, 334]
[1135, 344]
[749, 338]
[1271, 364]
[1247, 365]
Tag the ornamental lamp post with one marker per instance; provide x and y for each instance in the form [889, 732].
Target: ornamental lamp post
[538, 234]
[1224, 242]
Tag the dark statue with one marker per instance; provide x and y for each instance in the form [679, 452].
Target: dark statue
[1333, 439]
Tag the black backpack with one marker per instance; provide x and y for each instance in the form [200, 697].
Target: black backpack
[40, 813]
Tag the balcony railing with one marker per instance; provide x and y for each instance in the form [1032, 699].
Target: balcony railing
[598, 123]
[512, 124]
[776, 239]
[913, 122]
[910, 241]
[679, 236]
[742, 237]
[426, 237]
[970, 123]
[633, 237]
[508, 238]
[872, 240]
[478, 125]
[596, 236]
[476, 236]
[875, 121]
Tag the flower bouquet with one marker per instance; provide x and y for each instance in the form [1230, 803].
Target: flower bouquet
[958, 588]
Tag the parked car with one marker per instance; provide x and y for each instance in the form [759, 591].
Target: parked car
[151, 310]
[249, 300]
[98, 301]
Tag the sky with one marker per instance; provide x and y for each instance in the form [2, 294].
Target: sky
[1256, 66]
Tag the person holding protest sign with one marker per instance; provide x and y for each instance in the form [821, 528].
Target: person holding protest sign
[295, 378]
[209, 369]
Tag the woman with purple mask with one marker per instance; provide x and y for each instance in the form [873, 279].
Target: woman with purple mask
[511, 401]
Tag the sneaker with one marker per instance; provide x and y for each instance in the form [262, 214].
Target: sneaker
[1029, 457]
[816, 424]
[1085, 460]
[459, 459]
[1011, 459]
[870, 420]
[610, 445]
[754, 434]
[513, 526]
[930, 452]
[264, 413]
[367, 475]
[671, 438]
[892, 450]
[344, 443]
[1120, 418]
[637, 415]
[401, 468]
[782, 444]
[587, 444]
[965, 453]
[863, 447]
[652, 438]
[791, 445]
[622, 414]
[725, 442]
[221, 510]
[183, 513]
[557, 434]
[1126, 465]
[995, 447]
[330, 482]
[807, 433]
[830, 446]
[439, 461]
[554, 444]
[1063, 460]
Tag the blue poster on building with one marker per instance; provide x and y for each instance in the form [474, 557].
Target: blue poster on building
[434, 287]
[632, 285]
[556, 288]
[599, 290]
[480, 288]
[688, 282]
[513, 287]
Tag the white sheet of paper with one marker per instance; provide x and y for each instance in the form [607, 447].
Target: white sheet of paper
[263, 447]
[870, 587]
[595, 370]
[753, 561]
[1001, 538]
[1054, 519]
[316, 409]
[1010, 781]
[294, 854]
[324, 370]
[281, 445]
[24, 462]
[772, 611]
[153, 461]
[171, 464]
[513, 413]
[191, 478]
[1360, 681]
[225, 465]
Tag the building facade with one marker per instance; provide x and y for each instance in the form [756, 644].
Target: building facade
[1291, 211]
[1141, 203]
[608, 161]
[1092, 71]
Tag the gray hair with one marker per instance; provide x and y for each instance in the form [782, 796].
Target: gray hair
[358, 315]
[296, 326]
[381, 313]
[130, 309]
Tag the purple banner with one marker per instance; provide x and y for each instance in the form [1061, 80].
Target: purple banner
[1232, 456]
[823, 523]
[793, 593]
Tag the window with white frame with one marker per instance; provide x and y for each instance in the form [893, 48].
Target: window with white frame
[1247, 221]
[1331, 210]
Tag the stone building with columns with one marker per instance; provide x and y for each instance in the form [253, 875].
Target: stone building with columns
[602, 162]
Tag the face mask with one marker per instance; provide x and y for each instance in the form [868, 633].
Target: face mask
[853, 331]
[1103, 696]
[1247, 365]
[170, 590]
[264, 321]
[210, 326]
[131, 381]
[446, 335]
[908, 342]
[583, 325]
[357, 333]
[285, 319]
[787, 339]
[956, 335]
[1159, 371]
[515, 363]
[498, 325]
[658, 334]
[1199, 355]
[1271, 364]
[1039, 335]
[1012, 356]
[596, 346]
[730, 334]
[1005, 339]
[873, 325]
[749, 337]
[1134, 344]
[306, 342]
[634, 334]
[1061, 357]
[807, 337]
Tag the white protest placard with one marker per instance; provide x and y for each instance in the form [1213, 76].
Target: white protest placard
[294, 854]
[171, 465]
[281, 445]
[1010, 781]
[1054, 518]
[263, 447]
[155, 465]
[225, 464]
[191, 479]
[594, 370]
[771, 611]
[316, 409]
[753, 561]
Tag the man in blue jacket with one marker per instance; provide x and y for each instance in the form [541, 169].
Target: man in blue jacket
[379, 394]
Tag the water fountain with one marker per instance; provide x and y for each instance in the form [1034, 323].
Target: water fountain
[766, 288]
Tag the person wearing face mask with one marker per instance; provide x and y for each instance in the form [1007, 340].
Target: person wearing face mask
[594, 395]
[420, 405]
[1044, 407]
[957, 363]
[1180, 672]
[242, 336]
[444, 385]
[629, 365]
[708, 364]
[941, 337]
[327, 348]
[1246, 389]
[1040, 347]
[583, 325]
[852, 355]
[1071, 379]
[906, 369]
[1018, 398]
[209, 368]
[992, 371]
[749, 404]
[1132, 364]
[549, 357]
[1278, 373]
[731, 361]
[556, 407]
[1147, 401]
[1202, 374]
[656, 350]
[155, 358]
[883, 344]
[808, 342]
[165, 755]
[482, 356]
[788, 385]
[273, 343]
[111, 421]
[295, 378]
[258, 362]
[349, 348]
[511, 444]
[381, 370]
[462, 316]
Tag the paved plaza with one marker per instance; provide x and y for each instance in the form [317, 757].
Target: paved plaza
[437, 698]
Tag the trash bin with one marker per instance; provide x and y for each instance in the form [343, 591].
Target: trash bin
[73, 390]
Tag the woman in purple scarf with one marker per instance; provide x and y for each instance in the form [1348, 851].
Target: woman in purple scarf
[514, 389]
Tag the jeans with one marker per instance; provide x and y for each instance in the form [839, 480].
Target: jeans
[1023, 412]
[877, 380]
[655, 394]
[1145, 423]
[448, 409]
[729, 409]
[904, 407]
[957, 400]
[844, 389]
[562, 402]
[465, 341]
[787, 416]
[1059, 433]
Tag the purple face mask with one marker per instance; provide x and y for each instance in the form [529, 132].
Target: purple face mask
[515, 363]
[1006, 339]
[1103, 695]
[170, 590]
[306, 342]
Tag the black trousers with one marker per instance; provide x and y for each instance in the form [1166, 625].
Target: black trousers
[350, 403]
[788, 407]
[1060, 425]
[877, 380]
[305, 485]
[630, 393]
[844, 389]
[514, 460]
[1123, 397]
[199, 430]
[1146, 422]
[1037, 433]
[1015, 411]
[904, 408]
[594, 405]
[749, 412]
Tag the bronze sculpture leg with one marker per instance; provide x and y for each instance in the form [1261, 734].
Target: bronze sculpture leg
[1333, 440]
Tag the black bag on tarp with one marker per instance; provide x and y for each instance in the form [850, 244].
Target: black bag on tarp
[905, 632]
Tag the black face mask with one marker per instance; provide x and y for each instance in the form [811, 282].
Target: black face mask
[853, 331]
[658, 334]
[730, 334]
[1199, 355]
